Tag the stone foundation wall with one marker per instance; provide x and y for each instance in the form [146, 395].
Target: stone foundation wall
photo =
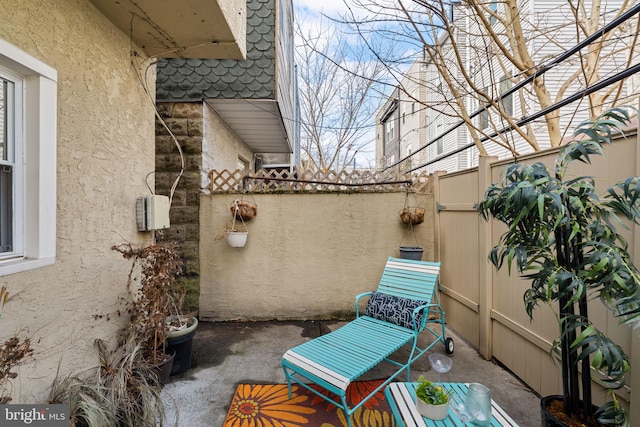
[185, 122]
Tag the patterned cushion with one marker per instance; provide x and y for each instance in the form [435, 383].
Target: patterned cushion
[393, 309]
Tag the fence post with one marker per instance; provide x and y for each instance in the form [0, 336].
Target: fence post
[485, 270]
[436, 218]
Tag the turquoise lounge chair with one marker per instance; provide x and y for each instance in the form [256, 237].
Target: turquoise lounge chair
[404, 305]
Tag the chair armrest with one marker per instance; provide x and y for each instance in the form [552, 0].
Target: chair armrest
[425, 316]
[358, 297]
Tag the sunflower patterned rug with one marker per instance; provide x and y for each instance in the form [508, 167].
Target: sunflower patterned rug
[268, 405]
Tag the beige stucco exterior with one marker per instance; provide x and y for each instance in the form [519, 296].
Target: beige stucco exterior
[307, 255]
[192, 29]
[105, 135]
[222, 148]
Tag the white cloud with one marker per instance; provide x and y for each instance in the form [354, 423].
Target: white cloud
[328, 7]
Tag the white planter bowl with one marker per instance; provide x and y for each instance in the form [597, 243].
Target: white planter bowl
[433, 412]
[237, 239]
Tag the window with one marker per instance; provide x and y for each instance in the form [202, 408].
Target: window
[440, 141]
[483, 117]
[414, 96]
[28, 93]
[8, 101]
[390, 128]
[506, 102]
[243, 164]
[493, 8]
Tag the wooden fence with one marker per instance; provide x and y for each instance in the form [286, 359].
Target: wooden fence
[486, 306]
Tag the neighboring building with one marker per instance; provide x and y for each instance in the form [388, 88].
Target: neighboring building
[227, 114]
[400, 123]
[77, 148]
[447, 153]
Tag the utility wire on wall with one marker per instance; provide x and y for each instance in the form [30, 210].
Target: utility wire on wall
[143, 78]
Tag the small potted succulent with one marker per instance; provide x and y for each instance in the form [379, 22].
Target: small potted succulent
[432, 400]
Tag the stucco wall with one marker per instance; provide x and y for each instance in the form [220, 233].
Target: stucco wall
[105, 150]
[307, 255]
[221, 146]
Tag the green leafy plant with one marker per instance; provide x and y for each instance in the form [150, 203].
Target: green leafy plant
[562, 236]
[430, 392]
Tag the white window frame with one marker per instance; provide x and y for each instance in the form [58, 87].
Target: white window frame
[35, 185]
[14, 128]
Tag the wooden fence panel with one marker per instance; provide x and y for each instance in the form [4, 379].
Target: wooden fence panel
[486, 306]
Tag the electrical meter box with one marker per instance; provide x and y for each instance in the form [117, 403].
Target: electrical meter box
[152, 212]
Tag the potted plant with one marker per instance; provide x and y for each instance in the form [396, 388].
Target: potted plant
[562, 236]
[432, 400]
[181, 328]
[411, 216]
[236, 233]
[120, 391]
[154, 269]
[411, 252]
[243, 210]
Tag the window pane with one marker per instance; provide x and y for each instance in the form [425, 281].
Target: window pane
[483, 117]
[493, 7]
[507, 102]
[6, 167]
[6, 208]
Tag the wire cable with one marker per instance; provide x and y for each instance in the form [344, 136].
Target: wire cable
[543, 69]
[568, 100]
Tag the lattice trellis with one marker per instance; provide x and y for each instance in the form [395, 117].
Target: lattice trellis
[267, 181]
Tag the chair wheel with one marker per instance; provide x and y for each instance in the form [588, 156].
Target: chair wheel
[448, 345]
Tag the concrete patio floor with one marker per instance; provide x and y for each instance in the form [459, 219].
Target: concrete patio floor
[226, 354]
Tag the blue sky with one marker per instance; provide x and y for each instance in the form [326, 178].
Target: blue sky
[309, 15]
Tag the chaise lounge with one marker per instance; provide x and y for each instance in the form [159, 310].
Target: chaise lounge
[404, 305]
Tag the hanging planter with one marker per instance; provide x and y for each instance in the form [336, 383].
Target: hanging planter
[243, 210]
[412, 216]
[411, 252]
[237, 239]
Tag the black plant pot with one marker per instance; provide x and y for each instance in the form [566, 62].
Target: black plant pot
[411, 252]
[163, 368]
[180, 340]
[548, 419]
[182, 347]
